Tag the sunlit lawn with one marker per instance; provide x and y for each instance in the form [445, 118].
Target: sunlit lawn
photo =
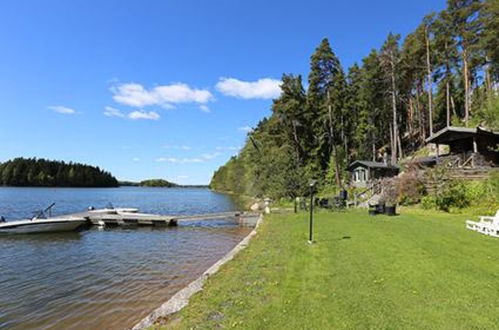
[417, 270]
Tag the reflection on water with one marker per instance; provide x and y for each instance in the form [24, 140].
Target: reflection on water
[106, 278]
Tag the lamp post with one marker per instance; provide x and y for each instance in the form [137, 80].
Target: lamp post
[311, 223]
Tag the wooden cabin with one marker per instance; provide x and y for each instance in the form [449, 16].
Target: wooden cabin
[363, 172]
[468, 147]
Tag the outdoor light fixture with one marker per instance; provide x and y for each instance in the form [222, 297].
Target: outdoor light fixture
[311, 185]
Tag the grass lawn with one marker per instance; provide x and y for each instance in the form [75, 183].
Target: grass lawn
[420, 270]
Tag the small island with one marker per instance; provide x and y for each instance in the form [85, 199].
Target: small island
[157, 183]
[33, 172]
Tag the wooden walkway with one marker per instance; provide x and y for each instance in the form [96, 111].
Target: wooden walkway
[110, 217]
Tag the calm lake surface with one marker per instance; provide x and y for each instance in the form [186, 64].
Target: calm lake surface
[105, 279]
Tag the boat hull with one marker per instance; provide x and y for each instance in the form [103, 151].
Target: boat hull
[40, 226]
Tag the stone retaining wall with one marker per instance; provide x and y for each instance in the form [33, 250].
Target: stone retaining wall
[181, 298]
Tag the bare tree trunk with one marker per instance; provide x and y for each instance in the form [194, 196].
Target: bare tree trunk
[453, 106]
[430, 93]
[422, 134]
[488, 80]
[411, 116]
[447, 97]
[394, 109]
[297, 144]
[392, 142]
[466, 88]
[333, 144]
[400, 146]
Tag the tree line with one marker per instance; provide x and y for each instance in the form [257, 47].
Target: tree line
[444, 73]
[34, 172]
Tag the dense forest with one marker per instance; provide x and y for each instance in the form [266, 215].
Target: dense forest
[444, 73]
[157, 183]
[45, 173]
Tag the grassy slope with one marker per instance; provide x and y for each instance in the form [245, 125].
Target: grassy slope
[417, 270]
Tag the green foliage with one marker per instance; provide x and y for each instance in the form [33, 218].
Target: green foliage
[46, 173]
[428, 202]
[490, 111]
[157, 183]
[480, 196]
[393, 96]
[411, 188]
[453, 194]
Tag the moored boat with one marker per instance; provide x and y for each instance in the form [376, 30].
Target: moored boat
[41, 224]
[35, 225]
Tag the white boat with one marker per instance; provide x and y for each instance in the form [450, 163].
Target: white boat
[110, 209]
[35, 225]
[41, 224]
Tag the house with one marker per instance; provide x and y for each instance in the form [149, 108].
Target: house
[468, 147]
[363, 172]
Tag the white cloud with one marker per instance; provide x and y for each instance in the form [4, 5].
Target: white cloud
[134, 115]
[204, 108]
[176, 160]
[113, 112]
[136, 159]
[203, 158]
[167, 96]
[62, 109]
[265, 88]
[151, 115]
[220, 148]
[210, 156]
[246, 129]
[177, 147]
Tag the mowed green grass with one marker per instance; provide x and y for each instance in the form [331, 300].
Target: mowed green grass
[419, 270]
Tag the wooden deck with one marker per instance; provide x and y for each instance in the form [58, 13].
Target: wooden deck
[109, 217]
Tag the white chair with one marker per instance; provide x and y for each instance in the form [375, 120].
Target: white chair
[486, 225]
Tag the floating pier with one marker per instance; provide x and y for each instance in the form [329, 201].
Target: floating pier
[131, 217]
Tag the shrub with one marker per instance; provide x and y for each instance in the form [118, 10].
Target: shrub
[453, 194]
[428, 202]
[410, 187]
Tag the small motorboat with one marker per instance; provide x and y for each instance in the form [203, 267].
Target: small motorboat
[110, 209]
[41, 224]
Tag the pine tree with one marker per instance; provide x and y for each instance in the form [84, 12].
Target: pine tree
[389, 57]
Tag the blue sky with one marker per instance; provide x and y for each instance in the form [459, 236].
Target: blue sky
[165, 89]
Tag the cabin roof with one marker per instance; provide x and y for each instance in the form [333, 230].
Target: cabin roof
[371, 164]
[449, 134]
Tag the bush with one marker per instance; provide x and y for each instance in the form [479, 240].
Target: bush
[428, 202]
[410, 187]
[453, 194]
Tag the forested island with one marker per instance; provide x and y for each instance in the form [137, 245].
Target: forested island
[157, 183]
[161, 183]
[444, 73]
[24, 172]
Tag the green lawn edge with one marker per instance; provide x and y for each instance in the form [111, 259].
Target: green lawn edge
[421, 269]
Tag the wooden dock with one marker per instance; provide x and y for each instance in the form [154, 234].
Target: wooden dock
[111, 217]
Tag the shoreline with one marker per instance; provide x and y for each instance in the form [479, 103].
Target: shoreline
[181, 299]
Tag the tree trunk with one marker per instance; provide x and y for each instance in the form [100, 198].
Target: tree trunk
[447, 98]
[394, 109]
[333, 143]
[466, 88]
[430, 96]
[400, 146]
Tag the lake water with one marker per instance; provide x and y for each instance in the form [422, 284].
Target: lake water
[105, 279]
